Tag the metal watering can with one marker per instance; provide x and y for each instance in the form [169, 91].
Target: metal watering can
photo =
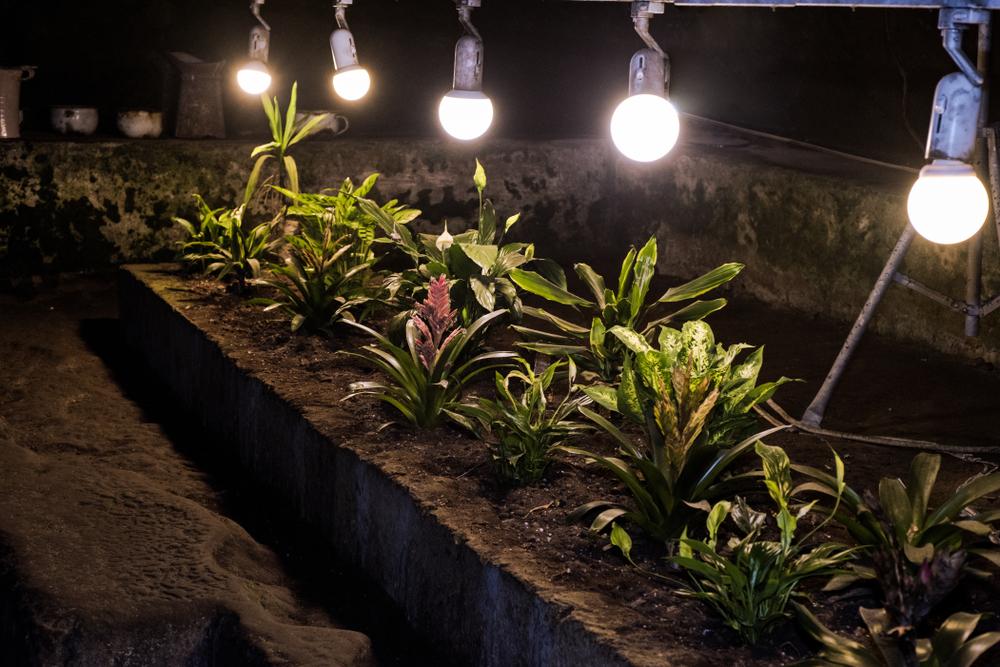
[10, 99]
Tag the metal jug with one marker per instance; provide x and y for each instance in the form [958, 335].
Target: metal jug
[10, 99]
[199, 107]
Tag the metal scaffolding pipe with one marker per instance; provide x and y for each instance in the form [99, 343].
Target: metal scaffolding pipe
[814, 413]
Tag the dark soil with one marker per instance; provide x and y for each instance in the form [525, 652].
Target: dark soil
[890, 390]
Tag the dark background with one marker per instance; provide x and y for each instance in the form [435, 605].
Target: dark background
[860, 80]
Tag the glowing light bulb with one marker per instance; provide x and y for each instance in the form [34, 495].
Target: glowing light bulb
[254, 77]
[465, 114]
[947, 204]
[352, 84]
[645, 127]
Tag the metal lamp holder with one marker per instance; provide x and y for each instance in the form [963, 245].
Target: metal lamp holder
[954, 142]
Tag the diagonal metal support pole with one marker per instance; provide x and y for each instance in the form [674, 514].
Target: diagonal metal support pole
[973, 308]
[814, 413]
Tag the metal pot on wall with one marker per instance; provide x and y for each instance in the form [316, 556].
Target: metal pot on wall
[10, 99]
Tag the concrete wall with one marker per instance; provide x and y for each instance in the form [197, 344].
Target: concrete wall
[814, 229]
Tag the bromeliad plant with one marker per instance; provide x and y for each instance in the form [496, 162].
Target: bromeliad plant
[430, 375]
[477, 266]
[692, 405]
[951, 646]
[751, 584]
[220, 245]
[527, 432]
[599, 354]
[919, 531]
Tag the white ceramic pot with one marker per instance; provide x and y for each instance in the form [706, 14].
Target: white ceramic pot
[139, 124]
[331, 125]
[74, 120]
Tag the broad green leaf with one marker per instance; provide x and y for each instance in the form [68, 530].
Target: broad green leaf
[483, 288]
[551, 271]
[286, 137]
[922, 475]
[691, 312]
[621, 539]
[645, 268]
[293, 173]
[777, 472]
[631, 339]
[603, 396]
[627, 397]
[483, 255]
[896, 504]
[597, 334]
[963, 497]
[594, 282]
[536, 284]
[486, 234]
[973, 649]
[699, 286]
[625, 276]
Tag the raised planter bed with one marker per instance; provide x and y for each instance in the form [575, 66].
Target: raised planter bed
[480, 602]
[466, 568]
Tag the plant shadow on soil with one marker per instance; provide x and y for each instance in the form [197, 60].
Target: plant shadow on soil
[321, 578]
[884, 392]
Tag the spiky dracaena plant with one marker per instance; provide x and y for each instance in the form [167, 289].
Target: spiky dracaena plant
[432, 372]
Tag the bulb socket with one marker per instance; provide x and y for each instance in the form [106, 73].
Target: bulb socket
[468, 64]
[345, 55]
[954, 119]
[646, 74]
[259, 38]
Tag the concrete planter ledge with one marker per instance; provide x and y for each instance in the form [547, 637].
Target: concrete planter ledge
[481, 605]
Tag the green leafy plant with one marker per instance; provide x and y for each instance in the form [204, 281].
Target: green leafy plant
[475, 262]
[911, 586]
[693, 405]
[285, 134]
[951, 646]
[918, 530]
[653, 374]
[219, 244]
[526, 431]
[602, 356]
[750, 586]
[318, 291]
[430, 375]
[340, 214]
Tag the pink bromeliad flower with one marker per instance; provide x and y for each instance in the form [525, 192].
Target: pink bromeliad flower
[433, 319]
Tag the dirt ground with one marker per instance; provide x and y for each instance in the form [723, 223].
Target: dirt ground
[66, 390]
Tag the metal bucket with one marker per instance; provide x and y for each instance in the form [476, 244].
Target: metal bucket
[10, 100]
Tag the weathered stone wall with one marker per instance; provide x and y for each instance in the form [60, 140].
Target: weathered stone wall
[814, 229]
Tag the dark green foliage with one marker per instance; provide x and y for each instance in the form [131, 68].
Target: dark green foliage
[526, 430]
[693, 404]
[220, 246]
[749, 583]
[951, 646]
[594, 351]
